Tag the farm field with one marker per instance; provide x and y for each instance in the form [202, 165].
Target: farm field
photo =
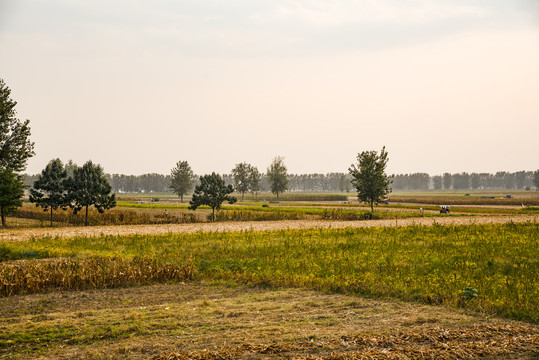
[25, 233]
[204, 321]
[141, 210]
[319, 284]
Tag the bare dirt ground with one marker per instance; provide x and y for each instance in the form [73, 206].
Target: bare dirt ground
[92, 231]
[202, 321]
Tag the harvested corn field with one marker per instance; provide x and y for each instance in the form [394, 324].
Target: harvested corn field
[197, 321]
[305, 294]
[32, 276]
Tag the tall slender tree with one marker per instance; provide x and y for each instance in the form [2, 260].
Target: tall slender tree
[369, 177]
[89, 186]
[241, 173]
[50, 188]
[182, 179]
[254, 180]
[277, 176]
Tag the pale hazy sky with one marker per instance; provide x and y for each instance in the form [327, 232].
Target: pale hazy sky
[446, 86]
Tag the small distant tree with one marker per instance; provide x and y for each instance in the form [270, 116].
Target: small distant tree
[437, 182]
[182, 179]
[475, 181]
[277, 176]
[89, 186]
[49, 190]
[255, 179]
[212, 192]
[447, 180]
[536, 179]
[344, 183]
[241, 173]
[11, 191]
[369, 177]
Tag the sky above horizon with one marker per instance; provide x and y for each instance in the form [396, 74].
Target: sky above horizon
[136, 86]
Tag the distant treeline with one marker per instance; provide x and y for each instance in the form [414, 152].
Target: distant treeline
[519, 180]
[340, 182]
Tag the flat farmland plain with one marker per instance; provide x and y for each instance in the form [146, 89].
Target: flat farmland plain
[301, 289]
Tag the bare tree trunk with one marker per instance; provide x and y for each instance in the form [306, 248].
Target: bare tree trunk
[3, 216]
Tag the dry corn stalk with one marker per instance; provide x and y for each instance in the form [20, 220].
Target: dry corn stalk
[32, 276]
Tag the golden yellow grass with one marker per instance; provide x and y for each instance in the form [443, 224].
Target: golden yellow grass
[92, 231]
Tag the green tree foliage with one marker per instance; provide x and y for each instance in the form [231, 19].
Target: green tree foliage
[11, 191]
[89, 186]
[447, 180]
[369, 177]
[182, 179]
[461, 181]
[344, 183]
[50, 188]
[212, 192]
[437, 182]
[255, 179]
[241, 174]
[536, 179]
[15, 149]
[15, 144]
[277, 176]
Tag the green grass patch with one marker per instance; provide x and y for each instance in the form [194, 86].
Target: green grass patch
[434, 264]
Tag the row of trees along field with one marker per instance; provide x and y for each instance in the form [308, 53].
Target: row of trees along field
[339, 182]
[72, 187]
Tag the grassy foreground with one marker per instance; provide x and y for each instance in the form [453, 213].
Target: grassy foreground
[488, 268]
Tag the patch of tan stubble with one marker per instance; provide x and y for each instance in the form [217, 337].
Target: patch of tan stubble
[200, 321]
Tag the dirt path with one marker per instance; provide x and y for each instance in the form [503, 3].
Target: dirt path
[92, 231]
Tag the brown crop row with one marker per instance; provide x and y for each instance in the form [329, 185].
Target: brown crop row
[111, 217]
[32, 276]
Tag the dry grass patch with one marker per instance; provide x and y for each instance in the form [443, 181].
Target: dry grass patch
[124, 230]
[206, 322]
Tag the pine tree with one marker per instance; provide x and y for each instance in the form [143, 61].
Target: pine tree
[49, 190]
[212, 192]
[89, 186]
